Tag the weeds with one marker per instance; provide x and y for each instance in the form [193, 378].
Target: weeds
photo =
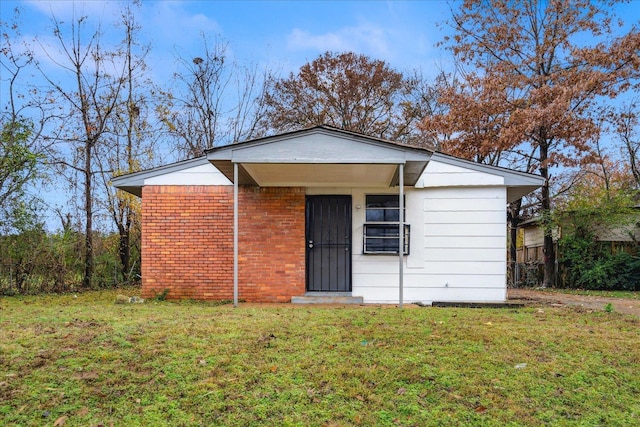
[161, 296]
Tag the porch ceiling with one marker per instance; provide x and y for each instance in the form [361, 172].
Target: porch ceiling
[321, 174]
[324, 175]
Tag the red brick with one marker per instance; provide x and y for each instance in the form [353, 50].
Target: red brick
[187, 242]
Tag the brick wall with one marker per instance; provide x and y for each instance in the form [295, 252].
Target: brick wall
[271, 243]
[187, 242]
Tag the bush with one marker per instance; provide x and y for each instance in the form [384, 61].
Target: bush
[591, 264]
[588, 262]
[34, 261]
[608, 271]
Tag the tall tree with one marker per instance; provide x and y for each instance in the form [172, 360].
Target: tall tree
[89, 102]
[541, 68]
[626, 125]
[214, 101]
[20, 148]
[128, 143]
[351, 92]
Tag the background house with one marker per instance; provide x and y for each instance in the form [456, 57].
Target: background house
[529, 271]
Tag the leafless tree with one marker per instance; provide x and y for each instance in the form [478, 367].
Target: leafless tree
[215, 101]
[88, 105]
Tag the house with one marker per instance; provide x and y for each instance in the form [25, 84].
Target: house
[621, 235]
[530, 240]
[317, 212]
[529, 265]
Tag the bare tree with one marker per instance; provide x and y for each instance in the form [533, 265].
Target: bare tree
[128, 144]
[243, 122]
[215, 100]
[89, 103]
[626, 125]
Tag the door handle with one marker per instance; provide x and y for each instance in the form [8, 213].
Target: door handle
[310, 244]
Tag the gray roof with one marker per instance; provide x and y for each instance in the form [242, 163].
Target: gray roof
[337, 147]
[320, 144]
[133, 182]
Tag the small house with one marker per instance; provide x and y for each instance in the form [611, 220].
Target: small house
[621, 235]
[323, 212]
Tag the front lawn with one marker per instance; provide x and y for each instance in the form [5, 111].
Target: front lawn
[85, 361]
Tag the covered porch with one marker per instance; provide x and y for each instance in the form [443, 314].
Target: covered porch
[324, 161]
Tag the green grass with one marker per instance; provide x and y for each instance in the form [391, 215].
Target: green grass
[162, 363]
[608, 294]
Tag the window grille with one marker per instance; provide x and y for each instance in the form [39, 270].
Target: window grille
[381, 229]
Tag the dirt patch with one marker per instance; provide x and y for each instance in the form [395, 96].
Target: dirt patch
[530, 296]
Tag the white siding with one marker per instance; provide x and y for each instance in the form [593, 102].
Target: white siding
[461, 242]
[435, 254]
[417, 294]
[206, 174]
[458, 217]
[458, 242]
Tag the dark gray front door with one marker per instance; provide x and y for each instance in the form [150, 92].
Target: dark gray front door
[328, 243]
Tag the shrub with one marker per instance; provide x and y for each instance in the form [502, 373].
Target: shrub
[590, 263]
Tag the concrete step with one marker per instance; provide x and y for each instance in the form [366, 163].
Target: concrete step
[327, 298]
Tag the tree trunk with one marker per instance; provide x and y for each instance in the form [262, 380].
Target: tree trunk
[548, 247]
[549, 251]
[124, 251]
[513, 218]
[88, 211]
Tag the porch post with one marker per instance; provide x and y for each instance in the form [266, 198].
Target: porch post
[401, 235]
[235, 234]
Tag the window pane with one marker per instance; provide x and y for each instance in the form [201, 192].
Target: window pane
[375, 215]
[383, 215]
[383, 201]
[392, 215]
[382, 230]
[382, 208]
[376, 244]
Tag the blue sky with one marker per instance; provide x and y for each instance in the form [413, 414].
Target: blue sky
[281, 34]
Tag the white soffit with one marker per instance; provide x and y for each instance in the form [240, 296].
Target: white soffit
[133, 182]
[321, 175]
[518, 184]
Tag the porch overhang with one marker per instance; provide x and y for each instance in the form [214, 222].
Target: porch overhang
[320, 157]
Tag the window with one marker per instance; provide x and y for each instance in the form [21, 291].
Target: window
[381, 228]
